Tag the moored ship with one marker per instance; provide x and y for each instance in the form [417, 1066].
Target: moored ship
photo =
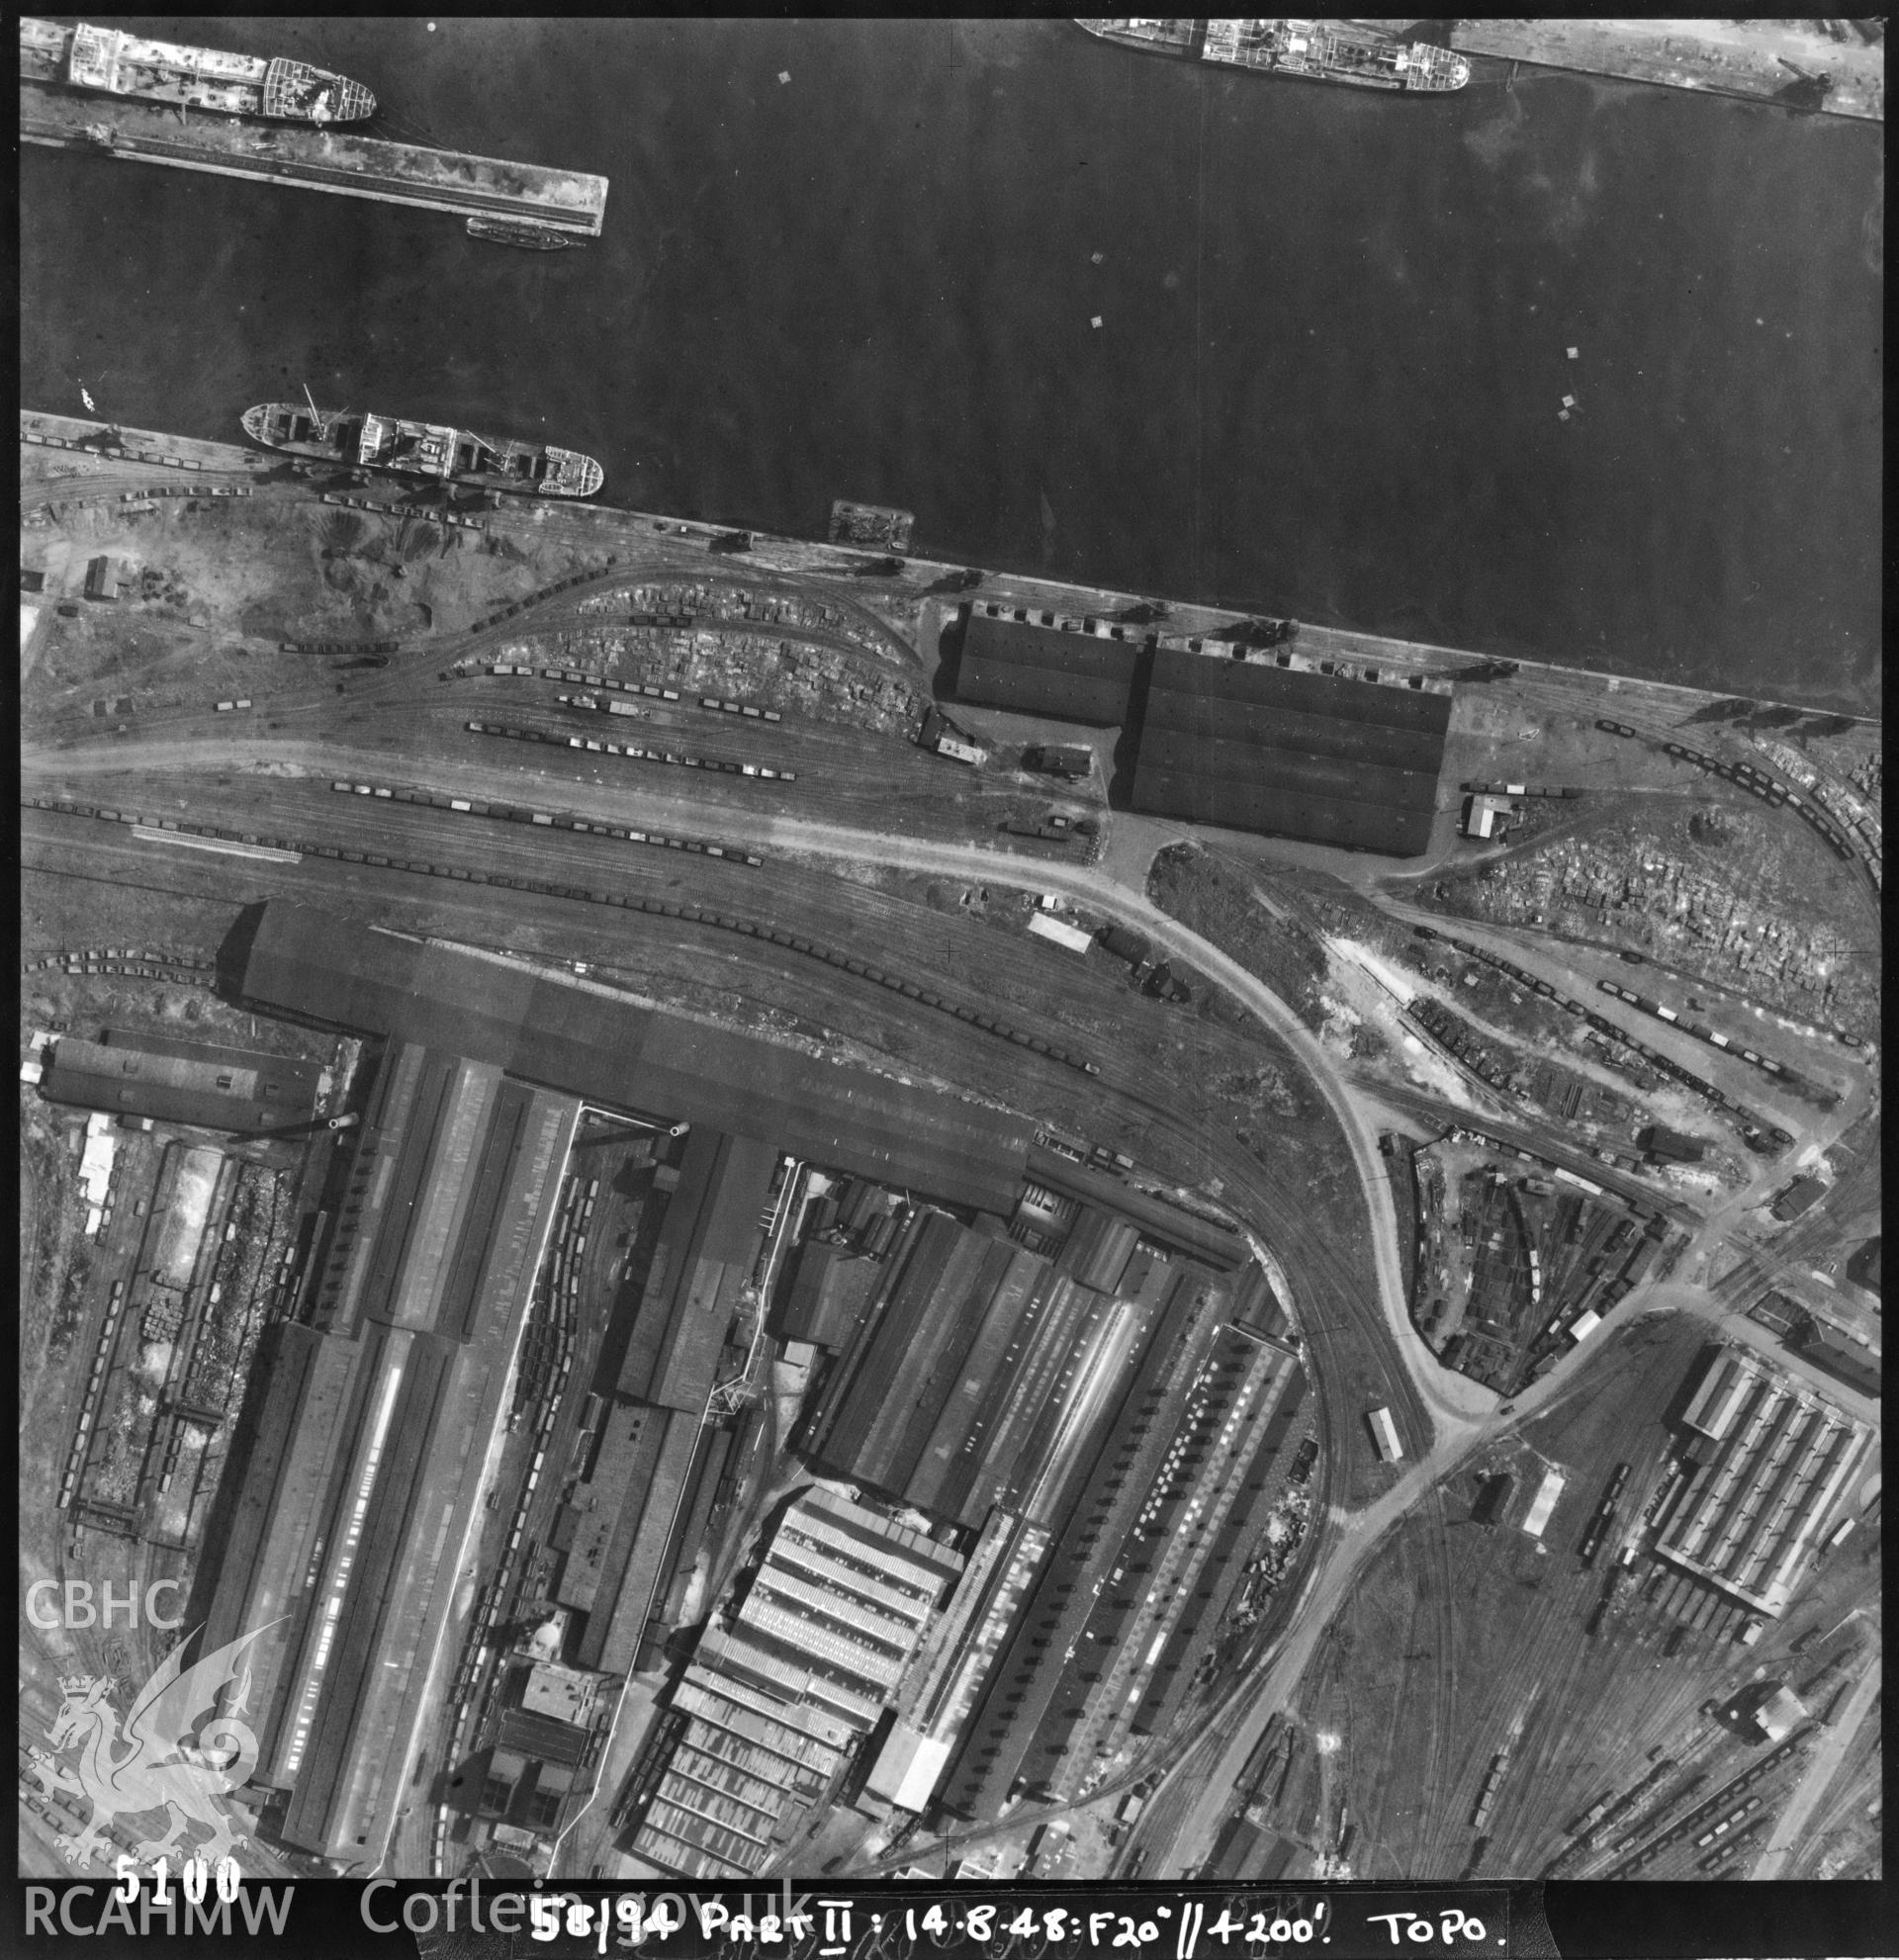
[521, 235]
[360, 441]
[1320, 51]
[116, 63]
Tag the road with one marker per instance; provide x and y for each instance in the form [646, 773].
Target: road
[1181, 1822]
[1453, 1402]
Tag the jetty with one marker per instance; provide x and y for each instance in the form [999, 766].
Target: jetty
[573, 201]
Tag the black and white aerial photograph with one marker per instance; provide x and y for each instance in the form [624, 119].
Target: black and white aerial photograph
[950, 979]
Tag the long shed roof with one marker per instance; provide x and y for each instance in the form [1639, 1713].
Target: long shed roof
[1040, 669]
[1253, 746]
[612, 1051]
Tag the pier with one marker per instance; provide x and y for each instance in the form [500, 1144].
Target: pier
[573, 201]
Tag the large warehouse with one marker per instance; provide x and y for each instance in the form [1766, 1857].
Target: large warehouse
[589, 1040]
[1252, 746]
[183, 1082]
[840, 1603]
[364, 1478]
[1032, 664]
[1754, 1508]
[1095, 1649]
[982, 1375]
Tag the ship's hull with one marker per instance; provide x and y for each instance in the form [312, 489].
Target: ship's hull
[431, 450]
[109, 62]
[525, 237]
[1315, 51]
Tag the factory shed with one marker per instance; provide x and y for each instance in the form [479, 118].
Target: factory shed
[606, 1507]
[1863, 1269]
[1543, 1502]
[369, 1455]
[208, 1088]
[1799, 1197]
[571, 1035]
[631, 1581]
[1777, 1457]
[1781, 1715]
[831, 1292]
[1037, 669]
[105, 576]
[1846, 1361]
[918, 1381]
[1252, 746]
[700, 1264]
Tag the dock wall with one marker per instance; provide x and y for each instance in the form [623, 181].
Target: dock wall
[352, 167]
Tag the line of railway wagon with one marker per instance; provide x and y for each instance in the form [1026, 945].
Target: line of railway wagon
[1714, 1818]
[1751, 1123]
[693, 913]
[714, 703]
[559, 1293]
[1605, 1517]
[631, 751]
[1656, 1011]
[663, 908]
[1757, 782]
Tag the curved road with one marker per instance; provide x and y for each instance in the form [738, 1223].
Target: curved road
[1453, 1402]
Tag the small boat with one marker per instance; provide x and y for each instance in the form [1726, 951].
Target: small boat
[516, 231]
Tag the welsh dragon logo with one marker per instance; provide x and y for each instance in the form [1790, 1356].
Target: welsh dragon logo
[147, 1766]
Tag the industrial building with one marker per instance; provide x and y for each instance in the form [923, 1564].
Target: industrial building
[1035, 665]
[585, 1040]
[1121, 1555]
[655, 1467]
[182, 1082]
[1543, 1505]
[770, 1710]
[1799, 1197]
[1253, 746]
[363, 1478]
[1770, 1462]
[985, 1372]
[107, 576]
[1844, 1359]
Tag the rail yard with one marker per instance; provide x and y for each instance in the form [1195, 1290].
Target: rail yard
[741, 1273]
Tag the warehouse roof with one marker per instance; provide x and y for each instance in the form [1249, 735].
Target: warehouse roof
[1844, 1359]
[223, 1089]
[1037, 669]
[1252, 746]
[575, 1037]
